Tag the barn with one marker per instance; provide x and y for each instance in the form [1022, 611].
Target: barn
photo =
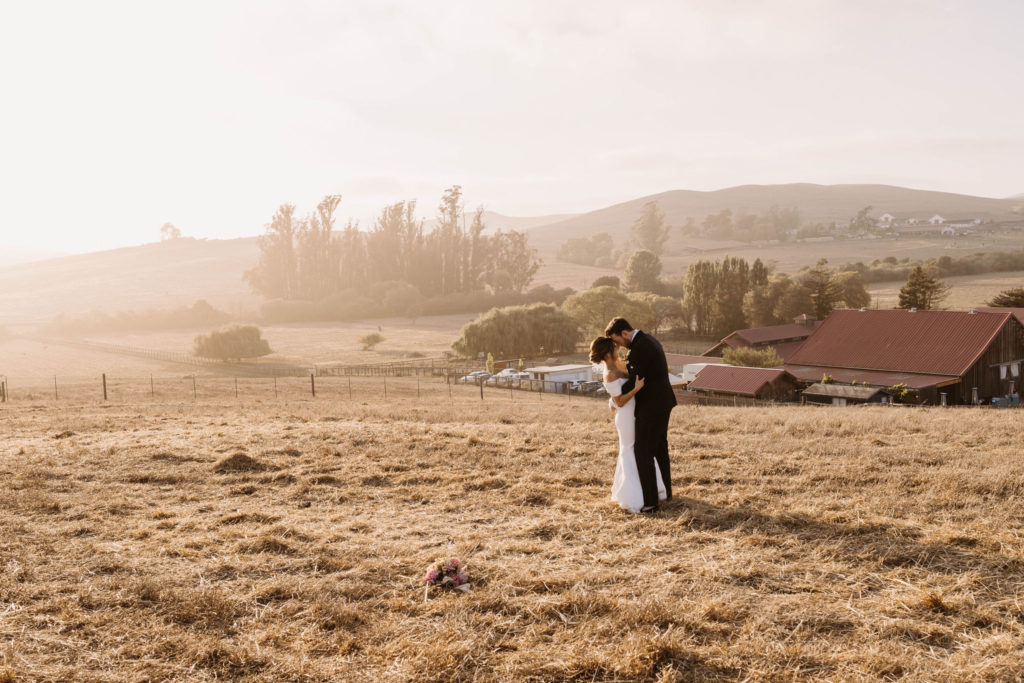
[969, 356]
[730, 381]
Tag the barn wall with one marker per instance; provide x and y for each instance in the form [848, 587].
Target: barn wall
[1007, 346]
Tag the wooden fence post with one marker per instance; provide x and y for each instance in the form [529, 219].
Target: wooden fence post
[350, 388]
[55, 398]
[481, 390]
[275, 386]
[385, 387]
[152, 387]
[236, 387]
[104, 386]
[193, 388]
[312, 384]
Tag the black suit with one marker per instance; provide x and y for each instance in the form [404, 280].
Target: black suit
[654, 404]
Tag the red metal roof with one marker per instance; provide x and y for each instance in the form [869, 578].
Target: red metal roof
[810, 373]
[762, 335]
[1017, 312]
[923, 342]
[735, 380]
[678, 360]
[786, 349]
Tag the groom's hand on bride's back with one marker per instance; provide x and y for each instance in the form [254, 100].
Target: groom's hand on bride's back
[639, 383]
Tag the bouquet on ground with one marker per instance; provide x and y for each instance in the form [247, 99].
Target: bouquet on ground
[447, 574]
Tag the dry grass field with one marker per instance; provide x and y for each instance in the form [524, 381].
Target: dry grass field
[966, 292]
[311, 343]
[286, 540]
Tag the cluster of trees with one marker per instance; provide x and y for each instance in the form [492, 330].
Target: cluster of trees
[731, 294]
[199, 314]
[775, 224]
[648, 233]
[234, 342]
[330, 273]
[891, 269]
[519, 331]
[597, 250]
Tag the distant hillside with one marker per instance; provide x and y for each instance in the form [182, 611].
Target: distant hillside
[158, 275]
[824, 203]
[496, 221]
[11, 255]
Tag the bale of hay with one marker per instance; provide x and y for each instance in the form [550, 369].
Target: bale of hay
[238, 462]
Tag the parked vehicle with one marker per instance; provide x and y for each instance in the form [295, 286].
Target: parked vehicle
[475, 377]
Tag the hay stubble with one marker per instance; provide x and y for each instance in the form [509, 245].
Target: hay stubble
[216, 541]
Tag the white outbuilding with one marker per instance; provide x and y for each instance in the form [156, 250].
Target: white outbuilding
[556, 377]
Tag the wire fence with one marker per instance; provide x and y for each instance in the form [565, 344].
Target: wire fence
[126, 389]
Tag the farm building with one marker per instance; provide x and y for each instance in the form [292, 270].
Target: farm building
[783, 338]
[556, 377]
[730, 381]
[843, 394]
[953, 352]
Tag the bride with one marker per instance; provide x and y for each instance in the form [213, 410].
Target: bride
[626, 489]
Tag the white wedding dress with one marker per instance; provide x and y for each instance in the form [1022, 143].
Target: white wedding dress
[626, 489]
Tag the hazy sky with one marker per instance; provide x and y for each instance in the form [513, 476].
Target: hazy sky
[117, 117]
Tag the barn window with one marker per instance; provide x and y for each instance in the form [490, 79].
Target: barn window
[1002, 371]
[1015, 369]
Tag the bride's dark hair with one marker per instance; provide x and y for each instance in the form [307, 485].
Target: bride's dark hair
[600, 348]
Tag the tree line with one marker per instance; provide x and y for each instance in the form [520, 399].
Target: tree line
[306, 260]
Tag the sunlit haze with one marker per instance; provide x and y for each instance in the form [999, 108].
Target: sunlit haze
[119, 117]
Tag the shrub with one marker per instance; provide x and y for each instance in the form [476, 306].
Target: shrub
[902, 394]
[753, 358]
[607, 281]
[519, 331]
[233, 342]
[370, 340]
[1008, 298]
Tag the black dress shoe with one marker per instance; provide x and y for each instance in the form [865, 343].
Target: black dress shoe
[649, 511]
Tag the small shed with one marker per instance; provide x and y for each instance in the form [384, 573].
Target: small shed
[844, 394]
[730, 381]
[555, 377]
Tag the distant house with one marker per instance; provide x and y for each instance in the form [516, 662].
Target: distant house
[785, 339]
[843, 394]
[886, 219]
[949, 230]
[953, 352]
[555, 378]
[730, 381]
[936, 220]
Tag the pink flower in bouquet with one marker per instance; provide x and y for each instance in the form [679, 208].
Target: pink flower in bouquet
[432, 576]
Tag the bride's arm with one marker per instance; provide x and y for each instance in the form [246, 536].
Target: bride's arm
[623, 399]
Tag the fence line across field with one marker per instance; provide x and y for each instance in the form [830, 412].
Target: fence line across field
[130, 387]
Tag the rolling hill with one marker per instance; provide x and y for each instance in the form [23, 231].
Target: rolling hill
[823, 203]
[158, 275]
[178, 272]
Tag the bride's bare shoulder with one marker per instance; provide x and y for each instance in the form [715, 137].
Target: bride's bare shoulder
[608, 377]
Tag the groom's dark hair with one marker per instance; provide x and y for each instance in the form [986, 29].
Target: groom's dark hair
[617, 326]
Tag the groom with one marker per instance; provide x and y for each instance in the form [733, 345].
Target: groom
[653, 407]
